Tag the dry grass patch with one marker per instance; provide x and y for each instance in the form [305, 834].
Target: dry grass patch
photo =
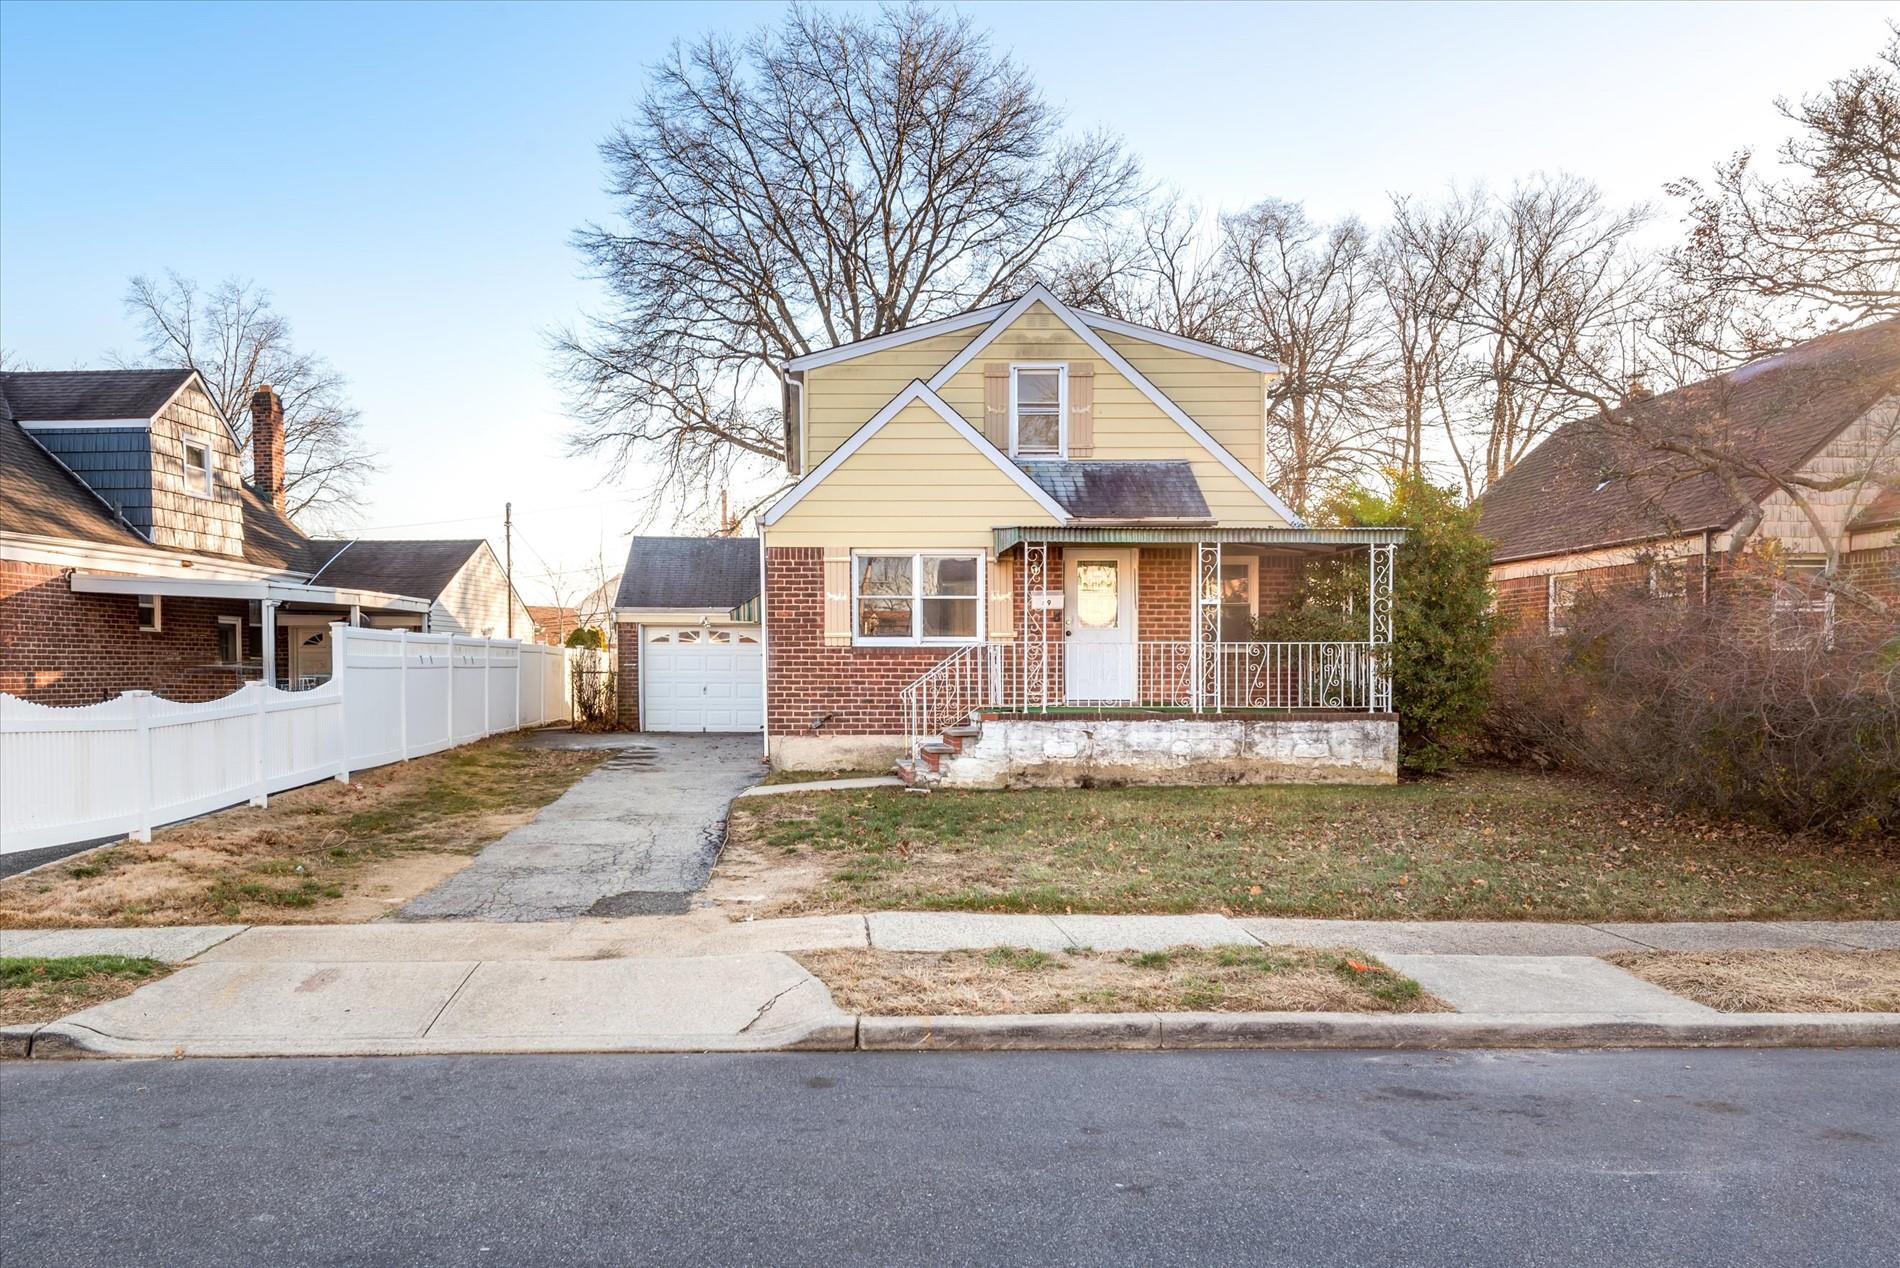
[1180, 979]
[46, 988]
[327, 853]
[1483, 845]
[1802, 981]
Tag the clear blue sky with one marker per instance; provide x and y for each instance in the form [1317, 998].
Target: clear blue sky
[404, 178]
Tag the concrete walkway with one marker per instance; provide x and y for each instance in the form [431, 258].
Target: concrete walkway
[637, 837]
[702, 982]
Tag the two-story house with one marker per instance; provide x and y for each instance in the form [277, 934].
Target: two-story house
[1027, 544]
[135, 556]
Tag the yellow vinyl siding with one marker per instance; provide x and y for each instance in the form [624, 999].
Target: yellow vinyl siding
[842, 397]
[1228, 400]
[915, 485]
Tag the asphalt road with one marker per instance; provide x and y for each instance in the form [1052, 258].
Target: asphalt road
[1730, 1158]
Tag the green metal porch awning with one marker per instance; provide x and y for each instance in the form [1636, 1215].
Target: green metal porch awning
[1156, 535]
[746, 613]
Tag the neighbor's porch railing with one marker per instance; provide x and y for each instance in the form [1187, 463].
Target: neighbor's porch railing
[1348, 676]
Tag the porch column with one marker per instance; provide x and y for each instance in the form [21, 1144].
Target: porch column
[267, 622]
[1035, 637]
[1206, 633]
[1379, 625]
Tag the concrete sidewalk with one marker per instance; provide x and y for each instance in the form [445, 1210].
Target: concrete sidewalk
[701, 982]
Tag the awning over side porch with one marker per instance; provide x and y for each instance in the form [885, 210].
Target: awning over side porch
[260, 590]
[1158, 534]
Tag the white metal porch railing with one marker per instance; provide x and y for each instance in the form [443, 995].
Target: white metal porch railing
[1346, 676]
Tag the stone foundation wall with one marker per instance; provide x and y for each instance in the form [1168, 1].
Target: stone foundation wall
[1083, 752]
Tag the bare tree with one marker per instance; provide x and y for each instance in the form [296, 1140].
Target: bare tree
[1304, 296]
[1164, 270]
[1423, 262]
[834, 177]
[1818, 245]
[234, 338]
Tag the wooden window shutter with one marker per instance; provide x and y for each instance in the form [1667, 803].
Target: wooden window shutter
[996, 404]
[1081, 411]
[838, 598]
[1002, 601]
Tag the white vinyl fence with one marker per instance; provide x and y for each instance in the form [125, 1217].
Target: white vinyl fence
[139, 761]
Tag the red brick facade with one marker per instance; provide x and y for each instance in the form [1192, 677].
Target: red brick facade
[627, 677]
[817, 690]
[61, 648]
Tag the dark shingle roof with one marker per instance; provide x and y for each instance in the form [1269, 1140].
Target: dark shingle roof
[1095, 490]
[1882, 511]
[690, 572]
[39, 496]
[62, 395]
[421, 569]
[1588, 486]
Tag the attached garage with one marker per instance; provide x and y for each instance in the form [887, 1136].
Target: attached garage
[689, 647]
[702, 678]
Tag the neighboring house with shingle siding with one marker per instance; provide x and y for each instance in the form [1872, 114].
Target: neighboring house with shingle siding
[135, 556]
[1594, 504]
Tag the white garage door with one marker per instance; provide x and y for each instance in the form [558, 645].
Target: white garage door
[702, 679]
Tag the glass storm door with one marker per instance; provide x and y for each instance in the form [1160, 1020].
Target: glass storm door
[1098, 622]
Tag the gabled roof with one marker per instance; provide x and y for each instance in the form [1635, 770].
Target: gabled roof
[420, 568]
[916, 393]
[86, 395]
[690, 572]
[1040, 294]
[1882, 512]
[1102, 490]
[1587, 486]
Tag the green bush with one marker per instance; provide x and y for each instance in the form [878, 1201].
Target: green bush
[589, 637]
[1444, 632]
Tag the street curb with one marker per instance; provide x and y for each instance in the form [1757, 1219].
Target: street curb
[1177, 1031]
[1072, 1032]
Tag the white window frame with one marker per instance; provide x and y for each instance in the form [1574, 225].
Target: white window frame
[1660, 568]
[915, 638]
[193, 474]
[157, 624]
[236, 623]
[1552, 586]
[1062, 408]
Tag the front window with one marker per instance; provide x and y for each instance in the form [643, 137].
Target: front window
[1036, 396]
[197, 468]
[918, 598]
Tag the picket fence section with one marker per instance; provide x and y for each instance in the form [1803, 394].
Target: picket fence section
[139, 761]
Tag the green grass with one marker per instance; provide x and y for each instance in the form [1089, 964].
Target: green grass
[41, 988]
[1483, 845]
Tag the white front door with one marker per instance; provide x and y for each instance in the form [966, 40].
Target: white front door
[1098, 621]
[702, 678]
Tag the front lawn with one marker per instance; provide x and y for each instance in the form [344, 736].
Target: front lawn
[46, 988]
[327, 852]
[1485, 845]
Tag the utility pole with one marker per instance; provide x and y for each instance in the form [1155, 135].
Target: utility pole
[508, 558]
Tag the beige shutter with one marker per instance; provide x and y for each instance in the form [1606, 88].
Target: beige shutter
[996, 404]
[1002, 601]
[1081, 411]
[837, 598]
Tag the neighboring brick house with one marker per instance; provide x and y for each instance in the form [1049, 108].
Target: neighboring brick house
[1022, 515]
[135, 556]
[1593, 505]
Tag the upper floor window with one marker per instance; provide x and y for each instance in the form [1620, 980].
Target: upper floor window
[198, 468]
[1038, 409]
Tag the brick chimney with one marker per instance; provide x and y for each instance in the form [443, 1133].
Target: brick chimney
[267, 443]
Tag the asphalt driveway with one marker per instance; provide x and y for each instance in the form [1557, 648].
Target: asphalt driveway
[637, 837]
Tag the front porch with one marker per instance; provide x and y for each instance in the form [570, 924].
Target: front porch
[1128, 654]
